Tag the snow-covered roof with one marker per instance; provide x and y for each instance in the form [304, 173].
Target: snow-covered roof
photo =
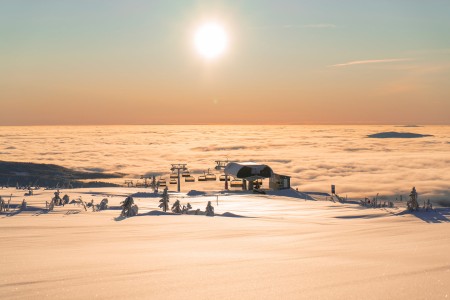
[248, 169]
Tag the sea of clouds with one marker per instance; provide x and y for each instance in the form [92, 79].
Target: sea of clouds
[315, 156]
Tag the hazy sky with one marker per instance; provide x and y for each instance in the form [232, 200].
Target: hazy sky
[134, 62]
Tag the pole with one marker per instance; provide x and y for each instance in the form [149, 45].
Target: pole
[179, 180]
[179, 168]
[226, 181]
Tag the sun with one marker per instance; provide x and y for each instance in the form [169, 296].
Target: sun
[211, 40]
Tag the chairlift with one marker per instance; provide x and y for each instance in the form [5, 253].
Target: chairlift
[222, 177]
[186, 174]
[189, 179]
[202, 178]
[236, 183]
[173, 175]
[162, 182]
[210, 176]
[173, 181]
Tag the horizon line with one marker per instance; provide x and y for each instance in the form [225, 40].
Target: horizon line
[233, 124]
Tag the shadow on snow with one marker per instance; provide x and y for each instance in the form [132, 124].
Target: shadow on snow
[157, 213]
[438, 215]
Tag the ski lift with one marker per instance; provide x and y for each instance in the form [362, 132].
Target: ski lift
[210, 176]
[173, 175]
[186, 174]
[162, 182]
[173, 181]
[202, 178]
[222, 177]
[236, 183]
[189, 179]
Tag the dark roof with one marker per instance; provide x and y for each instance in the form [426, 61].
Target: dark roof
[248, 169]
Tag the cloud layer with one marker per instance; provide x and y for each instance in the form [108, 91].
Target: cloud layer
[315, 156]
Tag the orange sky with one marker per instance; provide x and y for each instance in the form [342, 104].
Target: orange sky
[290, 63]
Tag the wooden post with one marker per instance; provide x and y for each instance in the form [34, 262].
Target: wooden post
[226, 181]
[179, 180]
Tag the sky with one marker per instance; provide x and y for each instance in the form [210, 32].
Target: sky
[89, 62]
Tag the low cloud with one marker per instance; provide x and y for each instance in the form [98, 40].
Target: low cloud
[372, 61]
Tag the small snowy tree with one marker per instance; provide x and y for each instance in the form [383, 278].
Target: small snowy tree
[2, 205]
[164, 202]
[186, 208]
[51, 205]
[57, 199]
[66, 199]
[209, 210]
[23, 206]
[413, 204]
[103, 204]
[133, 211]
[428, 205]
[127, 205]
[176, 207]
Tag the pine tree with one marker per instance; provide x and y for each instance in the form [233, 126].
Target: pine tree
[165, 200]
[176, 207]
[209, 210]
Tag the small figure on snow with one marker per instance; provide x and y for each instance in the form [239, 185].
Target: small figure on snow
[164, 200]
[209, 210]
[176, 207]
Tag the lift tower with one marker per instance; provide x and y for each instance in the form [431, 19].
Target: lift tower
[220, 165]
[179, 168]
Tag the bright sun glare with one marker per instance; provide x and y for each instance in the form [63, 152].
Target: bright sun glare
[211, 40]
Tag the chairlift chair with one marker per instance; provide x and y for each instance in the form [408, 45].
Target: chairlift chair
[162, 182]
[186, 174]
[189, 179]
[222, 177]
[202, 178]
[236, 183]
[173, 181]
[211, 177]
[173, 175]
